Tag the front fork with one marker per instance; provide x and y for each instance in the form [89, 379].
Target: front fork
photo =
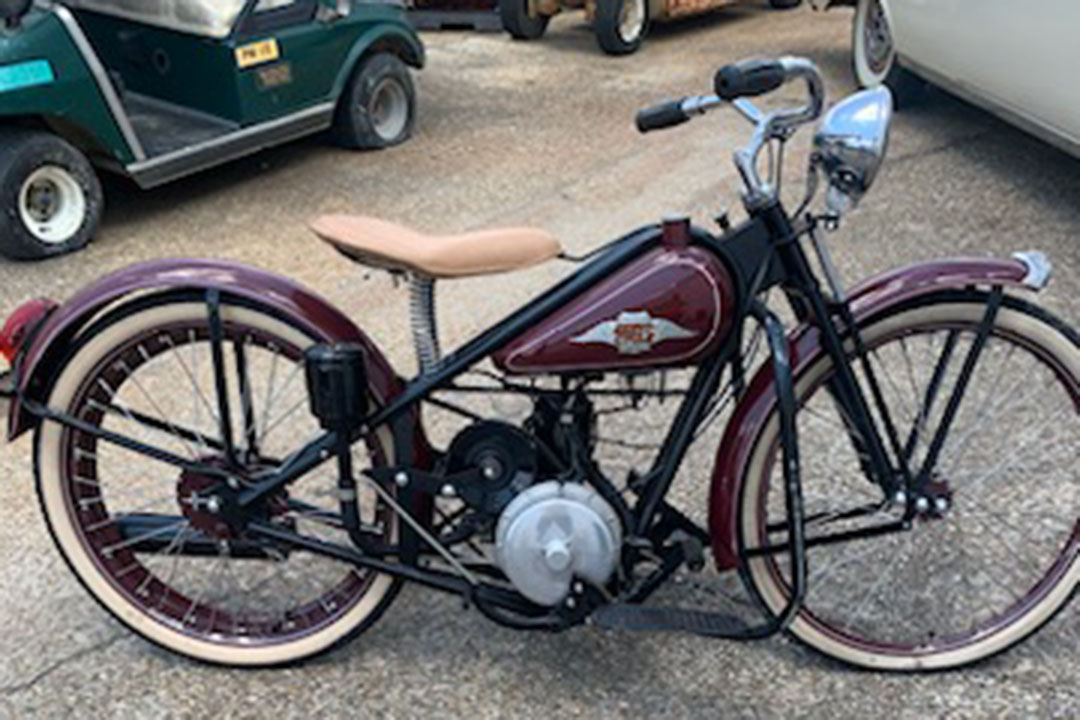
[884, 457]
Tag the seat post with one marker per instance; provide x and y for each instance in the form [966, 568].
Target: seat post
[422, 318]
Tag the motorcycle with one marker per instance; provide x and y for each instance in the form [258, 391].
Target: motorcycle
[232, 468]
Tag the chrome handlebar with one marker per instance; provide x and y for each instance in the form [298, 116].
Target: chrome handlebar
[778, 125]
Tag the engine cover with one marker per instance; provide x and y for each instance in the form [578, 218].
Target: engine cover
[554, 532]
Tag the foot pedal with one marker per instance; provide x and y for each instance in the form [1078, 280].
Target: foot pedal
[693, 553]
[671, 619]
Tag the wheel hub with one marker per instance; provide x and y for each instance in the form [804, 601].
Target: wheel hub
[878, 38]
[43, 201]
[52, 204]
[631, 19]
[936, 500]
[389, 109]
[212, 507]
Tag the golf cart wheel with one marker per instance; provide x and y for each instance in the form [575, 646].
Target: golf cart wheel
[52, 199]
[873, 54]
[378, 110]
[621, 25]
[517, 21]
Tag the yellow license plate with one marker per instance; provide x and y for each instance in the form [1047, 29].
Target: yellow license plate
[257, 53]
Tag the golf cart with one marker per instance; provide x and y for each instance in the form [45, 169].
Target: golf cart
[620, 25]
[159, 89]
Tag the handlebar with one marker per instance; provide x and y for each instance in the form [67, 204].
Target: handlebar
[675, 112]
[659, 117]
[735, 83]
[749, 78]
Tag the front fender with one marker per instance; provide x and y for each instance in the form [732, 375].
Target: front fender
[1026, 270]
[40, 361]
[397, 38]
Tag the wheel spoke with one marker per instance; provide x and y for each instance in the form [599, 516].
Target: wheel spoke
[246, 404]
[217, 354]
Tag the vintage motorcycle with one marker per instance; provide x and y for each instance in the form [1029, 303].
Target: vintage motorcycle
[233, 470]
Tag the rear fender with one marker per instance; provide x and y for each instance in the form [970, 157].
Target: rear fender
[1029, 271]
[41, 360]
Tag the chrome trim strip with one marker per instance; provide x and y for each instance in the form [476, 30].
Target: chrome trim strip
[306, 121]
[1039, 268]
[103, 81]
[1032, 126]
[7, 391]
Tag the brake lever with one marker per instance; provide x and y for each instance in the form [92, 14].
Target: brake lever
[748, 110]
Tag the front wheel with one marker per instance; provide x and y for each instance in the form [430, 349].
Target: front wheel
[621, 25]
[993, 552]
[378, 108]
[52, 200]
[143, 535]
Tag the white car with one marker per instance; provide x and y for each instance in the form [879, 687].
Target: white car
[1018, 60]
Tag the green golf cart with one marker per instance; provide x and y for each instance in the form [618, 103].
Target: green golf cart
[159, 89]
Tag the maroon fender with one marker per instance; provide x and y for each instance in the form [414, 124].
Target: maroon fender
[670, 307]
[307, 310]
[868, 298]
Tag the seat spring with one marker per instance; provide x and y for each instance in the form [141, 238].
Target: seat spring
[422, 318]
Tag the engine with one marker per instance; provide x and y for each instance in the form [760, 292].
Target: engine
[546, 533]
[506, 458]
[554, 532]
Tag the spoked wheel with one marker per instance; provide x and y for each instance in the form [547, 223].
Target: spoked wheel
[146, 538]
[993, 551]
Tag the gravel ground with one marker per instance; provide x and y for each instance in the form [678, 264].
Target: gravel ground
[537, 134]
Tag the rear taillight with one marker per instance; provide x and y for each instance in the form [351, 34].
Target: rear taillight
[20, 324]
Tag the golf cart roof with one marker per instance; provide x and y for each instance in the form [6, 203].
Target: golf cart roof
[209, 18]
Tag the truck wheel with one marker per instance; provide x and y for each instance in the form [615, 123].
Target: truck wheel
[517, 21]
[378, 109]
[51, 197]
[621, 25]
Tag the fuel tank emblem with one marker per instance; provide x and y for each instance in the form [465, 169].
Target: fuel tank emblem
[634, 333]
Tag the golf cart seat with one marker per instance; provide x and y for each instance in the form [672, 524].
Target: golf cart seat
[395, 247]
[207, 18]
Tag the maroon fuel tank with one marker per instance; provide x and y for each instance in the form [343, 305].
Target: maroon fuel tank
[670, 307]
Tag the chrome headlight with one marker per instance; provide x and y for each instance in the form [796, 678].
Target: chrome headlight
[850, 144]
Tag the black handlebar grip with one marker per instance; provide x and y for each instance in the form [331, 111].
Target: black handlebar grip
[661, 116]
[749, 78]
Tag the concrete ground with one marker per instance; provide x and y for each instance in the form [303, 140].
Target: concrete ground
[537, 133]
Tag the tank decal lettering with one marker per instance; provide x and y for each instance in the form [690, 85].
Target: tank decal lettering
[634, 333]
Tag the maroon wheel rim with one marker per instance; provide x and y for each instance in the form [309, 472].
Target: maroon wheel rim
[120, 565]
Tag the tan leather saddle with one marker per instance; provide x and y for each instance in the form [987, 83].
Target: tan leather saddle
[395, 247]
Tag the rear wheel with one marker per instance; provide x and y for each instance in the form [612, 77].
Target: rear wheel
[52, 200]
[378, 109]
[141, 534]
[621, 25]
[517, 21]
[874, 57]
[995, 551]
